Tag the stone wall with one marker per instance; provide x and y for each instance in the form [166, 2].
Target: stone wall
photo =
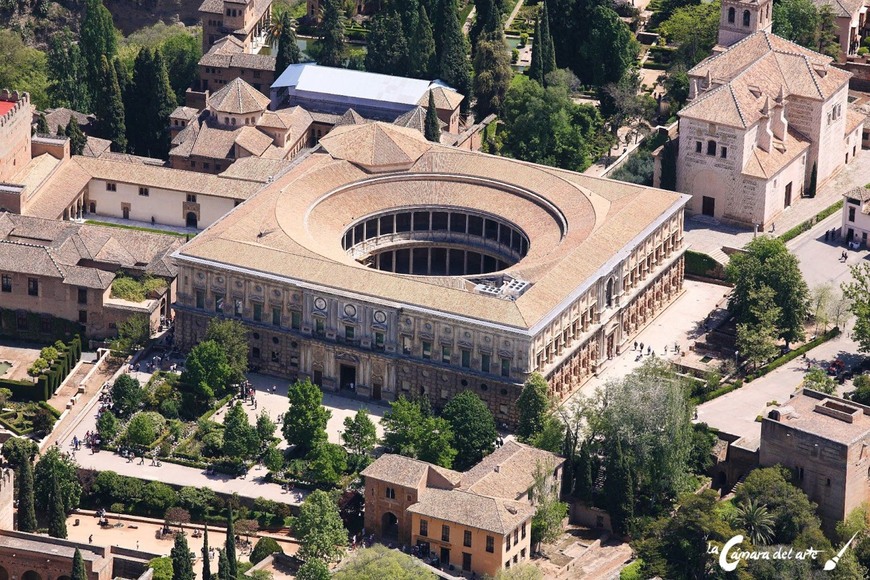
[15, 147]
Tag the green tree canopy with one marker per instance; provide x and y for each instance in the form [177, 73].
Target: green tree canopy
[492, 74]
[380, 562]
[767, 262]
[549, 511]
[240, 437]
[26, 506]
[327, 462]
[19, 450]
[319, 529]
[306, 419]
[532, 405]
[182, 564]
[162, 568]
[474, 431]
[109, 108]
[454, 67]
[288, 50]
[433, 124]
[127, 395]
[53, 466]
[694, 30]
[68, 85]
[360, 435]
[313, 570]
[77, 139]
[78, 567]
[108, 426]
[265, 546]
[232, 337]
[387, 47]
[23, 68]
[207, 372]
[332, 41]
[756, 338]
[857, 292]
[413, 432]
[144, 428]
[97, 40]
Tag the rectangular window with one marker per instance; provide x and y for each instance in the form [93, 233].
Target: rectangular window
[466, 538]
[390, 493]
[379, 340]
[505, 367]
[295, 320]
[406, 345]
[524, 530]
[446, 353]
[466, 358]
[445, 533]
[218, 302]
[7, 283]
[83, 295]
[276, 316]
[424, 528]
[276, 356]
[143, 191]
[484, 362]
[319, 327]
[111, 186]
[851, 219]
[507, 543]
[83, 316]
[523, 554]
[255, 353]
[349, 332]
[490, 544]
[427, 350]
[516, 536]
[723, 152]
[698, 146]
[33, 286]
[258, 312]
[191, 198]
[237, 308]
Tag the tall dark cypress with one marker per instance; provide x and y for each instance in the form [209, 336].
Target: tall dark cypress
[332, 34]
[433, 125]
[584, 489]
[206, 562]
[182, 565]
[57, 514]
[164, 103]
[136, 102]
[97, 40]
[423, 56]
[223, 565]
[232, 562]
[620, 486]
[123, 76]
[78, 567]
[42, 124]
[536, 68]
[77, 139]
[288, 50]
[548, 51]
[110, 109]
[454, 68]
[26, 511]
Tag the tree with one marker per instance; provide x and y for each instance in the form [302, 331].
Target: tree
[306, 419]
[424, 61]
[492, 74]
[107, 426]
[410, 431]
[767, 262]
[42, 125]
[162, 568]
[273, 459]
[533, 406]
[585, 485]
[526, 571]
[133, 333]
[206, 559]
[857, 292]
[610, 50]
[96, 40]
[453, 63]
[756, 339]
[127, 395]
[536, 68]
[360, 435]
[206, 372]
[181, 51]
[144, 428]
[549, 511]
[78, 567]
[821, 299]
[319, 529]
[814, 178]
[288, 50]
[23, 68]
[109, 108]
[474, 431]
[694, 30]
[153, 99]
[77, 139]
[381, 562]
[224, 566]
[818, 380]
[232, 565]
[548, 50]
[240, 437]
[232, 337]
[265, 546]
[331, 34]
[798, 21]
[620, 485]
[313, 570]
[326, 463]
[53, 468]
[551, 437]
[756, 520]
[265, 427]
[828, 32]
[66, 73]
[387, 46]
[26, 509]
[625, 105]
[433, 124]
[157, 497]
[182, 565]
[19, 450]
[56, 511]
[861, 394]
[487, 20]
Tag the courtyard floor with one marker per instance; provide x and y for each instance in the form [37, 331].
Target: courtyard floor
[21, 356]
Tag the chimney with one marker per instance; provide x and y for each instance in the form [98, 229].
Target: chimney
[765, 135]
[778, 122]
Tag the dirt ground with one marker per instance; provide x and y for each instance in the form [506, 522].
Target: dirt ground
[21, 358]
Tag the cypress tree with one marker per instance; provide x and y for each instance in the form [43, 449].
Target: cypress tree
[423, 48]
[486, 21]
[61, 132]
[57, 514]
[42, 124]
[136, 101]
[123, 76]
[232, 563]
[26, 511]
[433, 125]
[110, 109]
[223, 565]
[97, 40]
[620, 488]
[182, 566]
[68, 86]
[77, 139]
[814, 178]
[493, 73]
[206, 563]
[453, 65]
[585, 484]
[332, 34]
[164, 104]
[536, 68]
[548, 50]
[288, 50]
[78, 567]
[387, 47]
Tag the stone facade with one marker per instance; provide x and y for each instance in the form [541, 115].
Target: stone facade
[246, 20]
[15, 148]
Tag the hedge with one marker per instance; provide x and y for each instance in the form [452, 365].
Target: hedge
[724, 390]
[791, 355]
[700, 264]
[807, 225]
[40, 327]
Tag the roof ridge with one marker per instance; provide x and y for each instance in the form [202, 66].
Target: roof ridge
[37, 246]
[813, 75]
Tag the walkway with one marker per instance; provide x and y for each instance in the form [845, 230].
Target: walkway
[159, 228]
[513, 14]
[708, 236]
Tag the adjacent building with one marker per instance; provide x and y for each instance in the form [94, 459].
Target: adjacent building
[63, 269]
[227, 60]
[378, 262]
[856, 215]
[851, 21]
[246, 20]
[823, 440]
[479, 521]
[766, 118]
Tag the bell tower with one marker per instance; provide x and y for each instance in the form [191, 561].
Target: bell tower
[740, 18]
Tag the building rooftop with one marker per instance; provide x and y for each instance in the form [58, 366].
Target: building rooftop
[833, 418]
[256, 169]
[230, 52]
[578, 226]
[311, 78]
[508, 472]
[405, 471]
[238, 98]
[842, 8]
[500, 516]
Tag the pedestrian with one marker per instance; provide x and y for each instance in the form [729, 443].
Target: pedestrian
[635, 345]
[91, 539]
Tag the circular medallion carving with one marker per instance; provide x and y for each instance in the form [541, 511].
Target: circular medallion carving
[220, 279]
[467, 335]
[200, 275]
[408, 321]
[486, 339]
[276, 293]
[320, 303]
[350, 310]
[380, 316]
[238, 283]
[258, 288]
[428, 326]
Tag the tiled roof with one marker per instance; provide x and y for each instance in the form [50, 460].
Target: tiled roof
[375, 144]
[166, 178]
[508, 472]
[842, 8]
[601, 220]
[253, 141]
[96, 147]
[350, 117]
[212, 6]
[471, 510]
[260, 7]
[805, 411]
[37, 170]
[185, 113]
[445, 98]
[861, 193]
[765, 164]
[414, 119]
[405, 471]
[58, 193]
[297, 119]
[52, 248]
[213, 140]
[61, 116]
[229, 52]
[238, 98]
[854, 119]
[255, 169]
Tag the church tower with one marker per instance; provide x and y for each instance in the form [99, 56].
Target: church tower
[740, 18]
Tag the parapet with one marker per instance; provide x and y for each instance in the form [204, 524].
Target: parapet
[21, 101]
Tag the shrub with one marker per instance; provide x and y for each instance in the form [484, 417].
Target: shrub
[144, 428]
[265, 547]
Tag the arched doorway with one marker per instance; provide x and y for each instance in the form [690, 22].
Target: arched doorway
[191, 219]
[63, 578]
[4, 575]
[389, 526]
[31, 575]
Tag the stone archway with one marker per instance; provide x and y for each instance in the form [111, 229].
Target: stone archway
[31, 575]
[4, 575]
[389, 526]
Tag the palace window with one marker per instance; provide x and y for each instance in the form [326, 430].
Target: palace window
[711, 147]
[731, 15]
[143, 191]
[698, 146]
[424, 528]
[466, 538]
[390, 492]
[111, 186]
[746, 18]
[33, 286]
[7, 283]
[295, 320]
[484, 362]
[258, 312]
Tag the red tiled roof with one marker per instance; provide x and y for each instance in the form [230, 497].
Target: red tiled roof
[5, 107]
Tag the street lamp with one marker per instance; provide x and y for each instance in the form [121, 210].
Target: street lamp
[736, 357]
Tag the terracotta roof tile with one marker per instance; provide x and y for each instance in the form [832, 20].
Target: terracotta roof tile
[238, 98]
[472, 510]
